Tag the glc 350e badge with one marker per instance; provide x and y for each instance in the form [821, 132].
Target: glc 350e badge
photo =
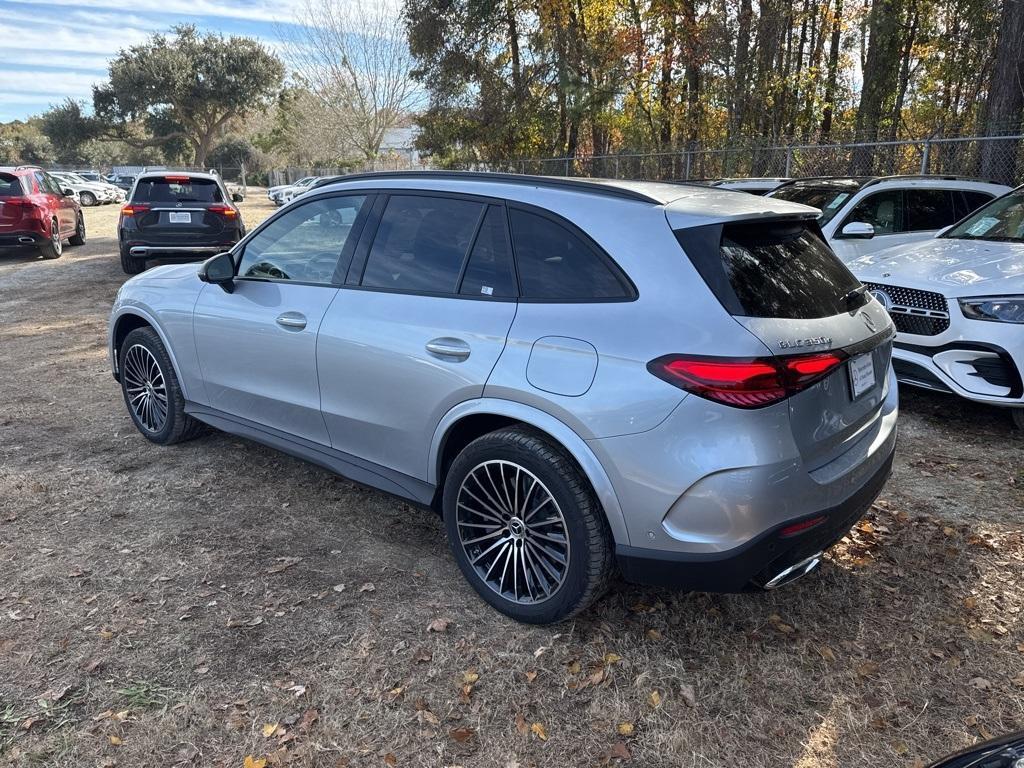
[814, 341]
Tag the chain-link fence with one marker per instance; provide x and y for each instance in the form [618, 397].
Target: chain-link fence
[1000, 158]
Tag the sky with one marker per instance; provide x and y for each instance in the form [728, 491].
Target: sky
[53, 49]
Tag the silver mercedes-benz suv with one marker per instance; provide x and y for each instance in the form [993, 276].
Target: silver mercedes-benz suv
[679, 383]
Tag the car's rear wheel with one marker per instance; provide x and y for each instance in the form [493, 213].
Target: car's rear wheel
[87, 198]
[525, 527]
[151, 390]
[54, 247]
[129, 263]
[79, 237]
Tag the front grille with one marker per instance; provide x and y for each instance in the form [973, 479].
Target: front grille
[923, 313]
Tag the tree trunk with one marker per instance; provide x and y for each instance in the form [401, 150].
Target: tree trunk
[738, 100]
[832, 81]
[878, 90]
[1003, 111]
[904, 78]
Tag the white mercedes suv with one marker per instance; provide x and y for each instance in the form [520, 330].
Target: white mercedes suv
[958, 304]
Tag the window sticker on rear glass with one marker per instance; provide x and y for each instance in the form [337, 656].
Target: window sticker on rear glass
[982, 225]
[839, 200]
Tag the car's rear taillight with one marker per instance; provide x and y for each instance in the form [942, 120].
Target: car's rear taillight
[17, 202]
[745, 382]
[131, 209]
[223, 210]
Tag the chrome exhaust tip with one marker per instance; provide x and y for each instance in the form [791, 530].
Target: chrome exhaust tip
[26, 240]
[138, 251]
[793, 572]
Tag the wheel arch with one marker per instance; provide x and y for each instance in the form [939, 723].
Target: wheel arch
[469, 420]
[128, 320]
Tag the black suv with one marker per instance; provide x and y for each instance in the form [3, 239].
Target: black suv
[176, 215]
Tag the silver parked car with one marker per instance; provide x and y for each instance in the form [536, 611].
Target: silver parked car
[681, 383]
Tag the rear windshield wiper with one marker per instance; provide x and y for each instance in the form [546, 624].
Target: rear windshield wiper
[851, 297]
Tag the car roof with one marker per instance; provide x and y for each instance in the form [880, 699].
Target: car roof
[165, 173]
[683, 204]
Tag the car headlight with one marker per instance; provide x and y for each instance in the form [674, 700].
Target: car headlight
[997, 309]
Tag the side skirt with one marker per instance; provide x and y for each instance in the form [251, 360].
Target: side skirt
[348, 466]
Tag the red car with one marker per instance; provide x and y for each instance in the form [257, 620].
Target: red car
[35, 211]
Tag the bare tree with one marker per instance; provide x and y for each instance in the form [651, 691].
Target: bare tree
[355, 58]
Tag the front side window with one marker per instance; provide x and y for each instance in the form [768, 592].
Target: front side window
[556, 264]
[882, 210]
[305, 244]
[1001, 220]
[421, 243]
[928, 209]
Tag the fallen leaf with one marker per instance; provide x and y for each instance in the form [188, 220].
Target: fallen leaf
[867, 668]
[368, 587]
[689, 695]
[423, 656]
[779, 625]
[255, 621]
[980, 683]
[626, 729]
[521, 725]
[338, 587]
[531, 675]
[826, 653]
[619, 751]
[390, 758]
[655, 635]
[470, 676]
[655, 699]
[115, 740]
[612, 658]
[462, 735]
[438, 625]
[538, 730]
[268, 730]
[309, 717]
[396, 693]
[574, 668]
[254, 762]
[28, 722]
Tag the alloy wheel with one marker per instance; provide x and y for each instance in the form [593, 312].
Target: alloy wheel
[146, 388]
[55, 238]
[512, 531]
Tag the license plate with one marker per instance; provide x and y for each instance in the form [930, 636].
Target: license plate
[862, 374]
[179, 217]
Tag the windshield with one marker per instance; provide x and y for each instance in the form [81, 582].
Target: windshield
[829, 198]
[1001, 220]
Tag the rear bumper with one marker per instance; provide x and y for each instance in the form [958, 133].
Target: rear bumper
[142, 251]
[759, 559]
[21, 238]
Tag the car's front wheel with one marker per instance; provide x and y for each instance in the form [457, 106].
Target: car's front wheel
[151, 390]
[525, 527]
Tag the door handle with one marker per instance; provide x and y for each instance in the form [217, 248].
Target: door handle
[448, 348]
[292, 321]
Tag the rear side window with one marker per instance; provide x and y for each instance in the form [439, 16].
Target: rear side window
[928, 209]
[177, 189]
[968, 202]
[421, 243]
[556, 264]
[882, 210]
[489, 271]
[10, 186]
[773, 269]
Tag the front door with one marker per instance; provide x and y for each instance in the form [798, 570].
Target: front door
[257, 344]
[419, 330]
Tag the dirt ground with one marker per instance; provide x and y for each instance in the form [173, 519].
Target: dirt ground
[219, 604]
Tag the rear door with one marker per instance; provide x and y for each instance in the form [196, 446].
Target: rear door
[257, 344]
[428, 304]
[781, 282]
[183, 211]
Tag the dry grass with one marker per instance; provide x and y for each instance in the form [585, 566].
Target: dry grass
[175, 606]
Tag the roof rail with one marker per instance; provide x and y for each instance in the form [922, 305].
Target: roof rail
[555, 182]
[27, 166]
[929, 176]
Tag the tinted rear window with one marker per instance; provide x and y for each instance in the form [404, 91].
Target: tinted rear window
[10, 186]
[773, 269]
[171, 190]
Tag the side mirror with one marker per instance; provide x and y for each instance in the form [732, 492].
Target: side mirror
[219, 270]
[69, 193]
[858, 230]
[237, 197]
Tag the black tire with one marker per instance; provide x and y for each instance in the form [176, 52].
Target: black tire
[130, 264]
[87, 198]
[589, 552]
[176, 426]
[54, 247]
[79, 237]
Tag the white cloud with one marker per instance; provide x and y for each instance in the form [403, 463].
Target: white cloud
[250, 10]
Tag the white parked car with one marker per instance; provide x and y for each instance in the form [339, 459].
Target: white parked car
[274, 193]
[861, 215]
[88, 192]
[288, 194]
[957, 301]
